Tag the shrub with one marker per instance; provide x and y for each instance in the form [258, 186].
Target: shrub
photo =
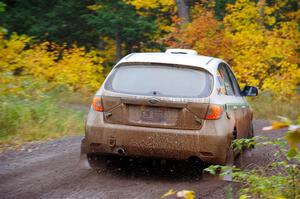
[279, 178]
[75, 66]
[36, 110]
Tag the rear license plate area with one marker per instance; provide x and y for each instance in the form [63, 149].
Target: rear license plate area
[152, 115]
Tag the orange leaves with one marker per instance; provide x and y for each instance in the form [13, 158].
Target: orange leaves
[203, 34]
[259, 55]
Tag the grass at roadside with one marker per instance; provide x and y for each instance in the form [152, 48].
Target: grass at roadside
[267, 107]
[39, 111]
[33, 110]
[23, 120]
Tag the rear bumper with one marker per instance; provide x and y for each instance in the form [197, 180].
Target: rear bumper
[209, 143]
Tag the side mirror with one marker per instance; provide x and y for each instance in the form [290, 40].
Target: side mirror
[250, 91]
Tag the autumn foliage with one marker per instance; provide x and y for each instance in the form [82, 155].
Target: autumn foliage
[203, 34]
[260, 45]
[259, 39]
[74, 66]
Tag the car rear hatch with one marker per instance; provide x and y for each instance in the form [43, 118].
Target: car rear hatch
[156, 95]
[152, 112]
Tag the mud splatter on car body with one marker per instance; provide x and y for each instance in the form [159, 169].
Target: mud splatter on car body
[173, 105]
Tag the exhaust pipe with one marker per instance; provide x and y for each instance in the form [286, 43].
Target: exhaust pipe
[120, 151]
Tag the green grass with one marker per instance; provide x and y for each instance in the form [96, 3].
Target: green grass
[24, 119]
[36, 110]
[267, 107]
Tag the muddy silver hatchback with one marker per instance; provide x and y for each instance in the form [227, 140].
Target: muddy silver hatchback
[172, 105]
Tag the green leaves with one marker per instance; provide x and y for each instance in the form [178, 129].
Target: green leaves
[244, 143]
[58, 21]
[213, 169]
[278, 179]
[109, 17]
[2, 6]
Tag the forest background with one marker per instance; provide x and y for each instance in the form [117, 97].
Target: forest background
[55, 54]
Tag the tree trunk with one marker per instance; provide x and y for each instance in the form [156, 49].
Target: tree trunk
[118, 45]
[183, 11]
[261, 6]
[101, 45]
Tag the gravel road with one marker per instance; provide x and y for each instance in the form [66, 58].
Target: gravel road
[50, 170]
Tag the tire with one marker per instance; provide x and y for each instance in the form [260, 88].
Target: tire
[96, 161]
[196, 166]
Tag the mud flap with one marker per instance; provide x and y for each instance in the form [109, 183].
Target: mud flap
[230, 158]
[83, 159]
[237, 160]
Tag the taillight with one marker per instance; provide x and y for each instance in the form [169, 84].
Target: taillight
[214, 112]
[97, 104]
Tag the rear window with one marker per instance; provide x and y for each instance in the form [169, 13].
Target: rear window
[160, 80]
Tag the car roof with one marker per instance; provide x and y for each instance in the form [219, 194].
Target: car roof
[171, 58]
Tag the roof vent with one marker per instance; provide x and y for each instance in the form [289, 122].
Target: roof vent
[181, 51]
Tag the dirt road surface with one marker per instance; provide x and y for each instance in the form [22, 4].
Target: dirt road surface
[49, 170]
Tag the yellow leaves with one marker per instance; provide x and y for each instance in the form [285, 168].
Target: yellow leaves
[94, 7]
[164, 6]
[279, 125]
[243, 196]
[184, 194]
[151, 4]
[275, 125]
[78, 68]
[293, 137]
[242, 16]
[279, 197]
[10, 51]
[282, 123]
[169, 193]
[268, 10]
[259, 56]
[263, 57]
[270, 20]
[71, 66]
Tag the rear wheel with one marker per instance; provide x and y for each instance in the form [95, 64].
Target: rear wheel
[196, 165]
[96, 161]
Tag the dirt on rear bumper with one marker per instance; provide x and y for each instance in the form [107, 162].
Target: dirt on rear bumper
[155, 142]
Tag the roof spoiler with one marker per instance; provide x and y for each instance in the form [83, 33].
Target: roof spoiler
[181, 51]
